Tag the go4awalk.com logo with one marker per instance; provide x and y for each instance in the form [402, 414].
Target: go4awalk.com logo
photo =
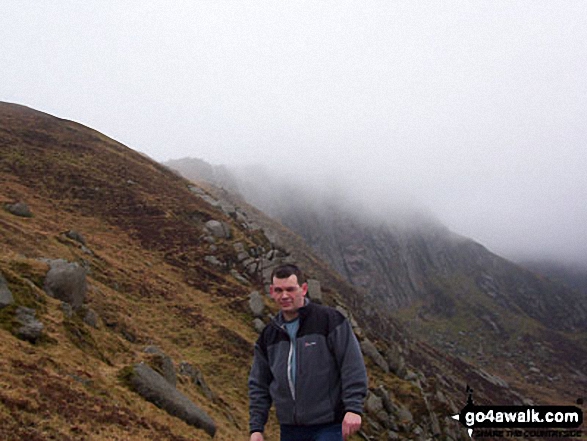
[521, 421]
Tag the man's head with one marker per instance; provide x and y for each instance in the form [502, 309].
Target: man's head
[288, 288]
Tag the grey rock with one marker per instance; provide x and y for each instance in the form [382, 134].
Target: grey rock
[154, 388]
[163, 364]
[371, 351]
[251, 266]
[210, 200]
[493, 379]
[6, 297]
[228, 208]
[234, 273]
[315, 290]
[77, 236]
[259, 325]
[373, 404]
[382, 393]
[239, 247]
[242, 256]
[196, 190]
[19, 209]
[31, 329]
[405, 417]
[67, 309]
[213, 260]
[256, 304]
[210, 240]
[218, 229]
[411, 376]
[396, 361]
[66, 282]
[90, 318]
[197, 378]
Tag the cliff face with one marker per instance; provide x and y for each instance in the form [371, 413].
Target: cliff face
[401, 266]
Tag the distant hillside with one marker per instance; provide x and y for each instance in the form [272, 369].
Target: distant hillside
[572, 276]
[448, 290]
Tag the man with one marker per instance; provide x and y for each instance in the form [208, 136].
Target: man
[308, 362]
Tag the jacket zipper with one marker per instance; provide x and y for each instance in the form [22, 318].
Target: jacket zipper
[292, 387]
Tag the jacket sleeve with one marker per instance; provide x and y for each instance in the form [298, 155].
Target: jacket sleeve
[259, 397]
[353, 373]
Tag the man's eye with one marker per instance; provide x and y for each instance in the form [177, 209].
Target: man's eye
[289, 290]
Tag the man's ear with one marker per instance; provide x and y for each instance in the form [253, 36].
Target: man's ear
[304, 288]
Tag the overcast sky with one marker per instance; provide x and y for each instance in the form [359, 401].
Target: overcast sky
[477, 110]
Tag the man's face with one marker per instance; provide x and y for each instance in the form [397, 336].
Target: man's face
[289, 295]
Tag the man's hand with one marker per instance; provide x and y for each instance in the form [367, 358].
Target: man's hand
[350, 424]
[256, 436]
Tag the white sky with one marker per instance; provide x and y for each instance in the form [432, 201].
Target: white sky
[478, 110]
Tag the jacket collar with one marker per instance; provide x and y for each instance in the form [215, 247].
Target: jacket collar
[303, 312]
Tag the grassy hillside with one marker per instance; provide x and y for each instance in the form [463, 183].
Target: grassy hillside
[148, 284]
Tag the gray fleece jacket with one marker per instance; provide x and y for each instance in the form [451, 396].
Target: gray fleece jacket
[331, 377]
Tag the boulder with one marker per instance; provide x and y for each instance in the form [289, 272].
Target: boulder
[315, 290]
[31, 329]
[154, 388]
[213, 260]
[19, 209]
[75, 235]
[259, 325]
[218, 229]
[396, 361]
[256, 304]
[371, 351]
[6, 297]
[373, 404]
[239, 247]
[67, 282]
[163, 364]
[238, 276]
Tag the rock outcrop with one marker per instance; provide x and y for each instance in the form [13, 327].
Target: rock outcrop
[6, 297]
[20, 209]
[154, 388]
[29, 329]
[67, 282]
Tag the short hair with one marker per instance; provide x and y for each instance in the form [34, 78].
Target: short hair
[286, 270]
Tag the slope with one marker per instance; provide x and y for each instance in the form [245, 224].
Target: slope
[165, 286]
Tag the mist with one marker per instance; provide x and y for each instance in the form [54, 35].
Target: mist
[472, 112]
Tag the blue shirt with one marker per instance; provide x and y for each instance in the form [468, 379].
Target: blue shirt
[292, 330]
